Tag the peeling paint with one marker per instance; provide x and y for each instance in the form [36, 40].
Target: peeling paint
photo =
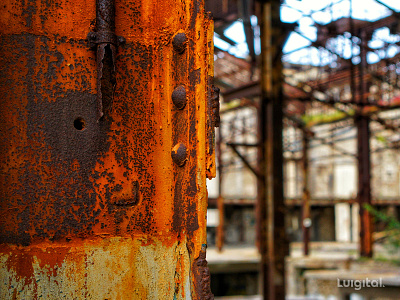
[109, 268]
[202, 276]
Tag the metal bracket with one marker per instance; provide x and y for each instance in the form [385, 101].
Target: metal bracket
[96, 38]
[105, 41]
[214, 107]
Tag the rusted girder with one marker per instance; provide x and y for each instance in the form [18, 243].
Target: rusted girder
[220, 236]
[300, 124]
[360, 105]
[247, 91]
[306, 209]
[245, 12]
[244, 160]
[364, 185]
[109, 208]
[364, 162]
[271, 211]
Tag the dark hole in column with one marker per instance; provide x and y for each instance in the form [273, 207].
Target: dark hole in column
[79, 124]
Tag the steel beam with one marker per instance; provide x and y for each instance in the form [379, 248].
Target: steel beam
[273, 242]
[364, 162]
[220, 237]
[244, 160]
[306, 214]
[248, 90]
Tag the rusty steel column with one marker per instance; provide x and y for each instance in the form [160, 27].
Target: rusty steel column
[306, 215]
[105, 148]
[273, 242]
[364, 162]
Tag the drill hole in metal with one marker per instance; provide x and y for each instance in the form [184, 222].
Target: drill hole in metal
[79, 124]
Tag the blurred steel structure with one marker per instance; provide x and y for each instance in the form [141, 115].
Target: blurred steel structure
[273, 242]
[107, 137]
[322, 104]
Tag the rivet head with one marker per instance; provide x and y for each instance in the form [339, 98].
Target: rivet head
[179, 42]
[178, 154]
[179, 97]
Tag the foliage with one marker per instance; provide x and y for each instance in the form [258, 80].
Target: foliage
[392, 226]
[311, 120]
[381, 139]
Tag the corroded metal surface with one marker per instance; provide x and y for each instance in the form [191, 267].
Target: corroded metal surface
[202, 278]
[213, 121]
[97, 208]
[105, 42]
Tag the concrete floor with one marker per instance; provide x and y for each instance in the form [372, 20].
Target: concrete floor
[302, 272]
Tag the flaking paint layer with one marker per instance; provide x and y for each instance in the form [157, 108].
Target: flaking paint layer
[110, 268]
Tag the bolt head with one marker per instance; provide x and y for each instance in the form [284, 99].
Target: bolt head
[179, 154]
[179, 42]
[179, 97]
